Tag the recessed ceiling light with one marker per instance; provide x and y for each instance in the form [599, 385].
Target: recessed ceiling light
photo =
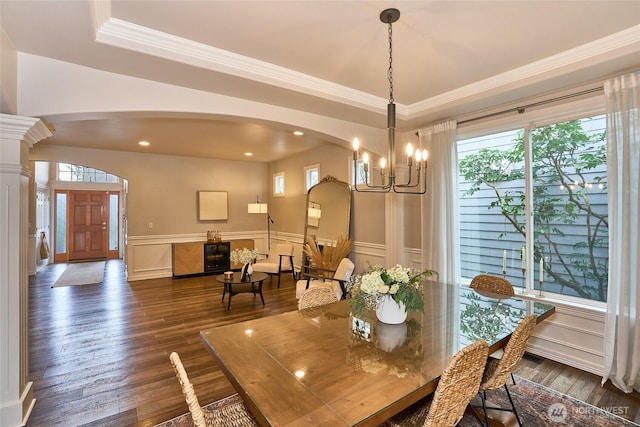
[248, 154]
[298, 133]
[144, 143]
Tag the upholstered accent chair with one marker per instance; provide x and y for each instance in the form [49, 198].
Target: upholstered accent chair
[458, 384]
[279, 260]
[319, 277]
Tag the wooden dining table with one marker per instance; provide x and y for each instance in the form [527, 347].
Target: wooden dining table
[328, 367]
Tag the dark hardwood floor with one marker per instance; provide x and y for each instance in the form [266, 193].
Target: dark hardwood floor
[99, 354]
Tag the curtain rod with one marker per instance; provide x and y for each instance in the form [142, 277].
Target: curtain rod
[521, 110]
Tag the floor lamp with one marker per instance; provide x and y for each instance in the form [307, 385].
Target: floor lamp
[262, 208]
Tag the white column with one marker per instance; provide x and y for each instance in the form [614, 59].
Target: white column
[17, 136]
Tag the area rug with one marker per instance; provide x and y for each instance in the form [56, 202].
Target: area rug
[538, 406]
[84, 273]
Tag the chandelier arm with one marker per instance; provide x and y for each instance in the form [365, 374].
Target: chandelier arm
[408, 184]
[423, 191]
[421, 184]
[385, 188]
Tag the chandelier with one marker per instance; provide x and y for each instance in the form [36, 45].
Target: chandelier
[388, 172]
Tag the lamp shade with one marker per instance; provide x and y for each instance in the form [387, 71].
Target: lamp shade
[314, 213]
[257, 208]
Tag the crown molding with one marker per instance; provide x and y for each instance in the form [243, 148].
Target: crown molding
[126, 35]
[623, 43]
[27, 129]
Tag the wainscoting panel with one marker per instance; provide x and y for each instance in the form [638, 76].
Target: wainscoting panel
[573, 336]
[149, 257]
[366, 254]
[152, 259]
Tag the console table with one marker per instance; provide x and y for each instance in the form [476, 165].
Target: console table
[196, 258]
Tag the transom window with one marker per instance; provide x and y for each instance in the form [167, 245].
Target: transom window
[278, 184]
[359, 178]
[311, 176]
[77, 173]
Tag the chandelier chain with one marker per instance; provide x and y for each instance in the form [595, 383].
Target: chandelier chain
[390, 71]
[388, 179]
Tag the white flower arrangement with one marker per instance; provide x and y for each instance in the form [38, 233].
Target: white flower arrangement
[244, 255]
[400, 283]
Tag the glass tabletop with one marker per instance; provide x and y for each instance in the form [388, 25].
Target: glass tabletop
[324, 366]
[236, 278]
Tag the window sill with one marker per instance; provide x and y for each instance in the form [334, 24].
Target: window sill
[595, 306]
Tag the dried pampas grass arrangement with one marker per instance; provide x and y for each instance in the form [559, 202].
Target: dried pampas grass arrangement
[331, 255]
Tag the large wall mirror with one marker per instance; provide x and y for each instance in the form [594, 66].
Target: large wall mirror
[328, 211]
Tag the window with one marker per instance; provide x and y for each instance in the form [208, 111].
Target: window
[113, 222]
[278, 184]
[359, 178]
[76, 173]
[567, 199]
[61, 223]
[311, 176]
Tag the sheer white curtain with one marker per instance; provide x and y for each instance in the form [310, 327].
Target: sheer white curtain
[440, 223]
[622, 326]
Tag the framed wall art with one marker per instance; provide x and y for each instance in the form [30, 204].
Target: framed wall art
[212, 205]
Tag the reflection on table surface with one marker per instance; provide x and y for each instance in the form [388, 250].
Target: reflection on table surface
[324, 366]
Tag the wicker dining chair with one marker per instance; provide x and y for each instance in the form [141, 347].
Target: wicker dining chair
[235, 414]
[315, 297]
[458, 385]
[493, 284]
[497, 371]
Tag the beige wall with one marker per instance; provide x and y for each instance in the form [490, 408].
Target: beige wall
[8, 75]
[163, 189]
[289, 212]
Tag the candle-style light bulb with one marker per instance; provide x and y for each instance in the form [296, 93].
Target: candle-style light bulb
[365, 162]
[424, 155]
[418, 156]
[356, 144]
[383, 163]
[409, 155]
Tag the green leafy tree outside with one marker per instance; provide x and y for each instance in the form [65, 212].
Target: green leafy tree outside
[568, 163]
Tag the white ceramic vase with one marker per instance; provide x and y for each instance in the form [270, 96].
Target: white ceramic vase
[390, 312]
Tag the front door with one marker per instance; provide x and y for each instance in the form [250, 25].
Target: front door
[88, 219]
